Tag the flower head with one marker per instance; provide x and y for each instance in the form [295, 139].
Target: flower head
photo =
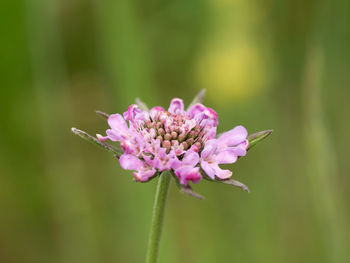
[179, 140]
[182, 142]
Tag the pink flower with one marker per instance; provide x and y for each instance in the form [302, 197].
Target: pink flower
[186, 169]
[225, 149]
[177, 140]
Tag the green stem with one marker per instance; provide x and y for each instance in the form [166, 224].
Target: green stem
[158, 217]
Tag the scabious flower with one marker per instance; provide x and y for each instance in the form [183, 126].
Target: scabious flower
[178, 140]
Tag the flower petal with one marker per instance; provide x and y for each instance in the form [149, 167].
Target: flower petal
[132, 111]
[188, 173]
[211, 134]
[155, 111]
[195, 109]
[226, 157]
[220, 173]
[130, 162]
[233, 137]
[143, 175]
[212, 115]
[117, 122]
[176, 106]
[208, 169]
[190, 158]
[209, 148]
[101, 138]
[239, 150]
[113, 135]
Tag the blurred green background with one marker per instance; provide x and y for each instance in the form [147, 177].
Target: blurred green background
[267, 64]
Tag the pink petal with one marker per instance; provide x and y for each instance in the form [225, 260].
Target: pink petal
[233, 137]
[211, 114]
[194, 175]
[143, 175]
[101, 138]
[239, 150]
[226, 157]
[222, 174]
[130, 162]
[128, 147]
[208, 149]
[130, 114]
[195, 109]
[163, 161]
[208, 169]
[176, 106]
[175, 164]
[117, 122]
[211, 133]
[188, 173]
[155, 111]
[113, 135]
[244, 144]
[190, 158]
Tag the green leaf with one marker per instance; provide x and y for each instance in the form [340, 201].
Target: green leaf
[198, 98]
[257, 137]
[117, 151]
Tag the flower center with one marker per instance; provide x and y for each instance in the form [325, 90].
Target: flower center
[175, 131]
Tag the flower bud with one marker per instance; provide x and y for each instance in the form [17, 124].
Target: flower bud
[166, 144]
[190, 141]
[174, 135]
[193, 134]
[148, 124]
[185, 145]
[159, 125]
[194, 148]
[198, 145]
[161, 131]
[167, 136]
[181, 137]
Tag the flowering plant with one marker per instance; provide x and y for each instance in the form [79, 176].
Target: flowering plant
[179, 142]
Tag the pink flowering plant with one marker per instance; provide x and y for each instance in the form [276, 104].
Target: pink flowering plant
[173, 143]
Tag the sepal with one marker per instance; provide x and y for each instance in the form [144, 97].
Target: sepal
[186, 189]
[198, 98]
[257, 137]
[117, 151]
[229, 181]
[103, 114]
[141, 104]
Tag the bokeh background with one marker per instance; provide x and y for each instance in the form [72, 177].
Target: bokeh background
[267, 64]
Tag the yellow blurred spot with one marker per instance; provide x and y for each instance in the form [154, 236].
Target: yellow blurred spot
[232, 72]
